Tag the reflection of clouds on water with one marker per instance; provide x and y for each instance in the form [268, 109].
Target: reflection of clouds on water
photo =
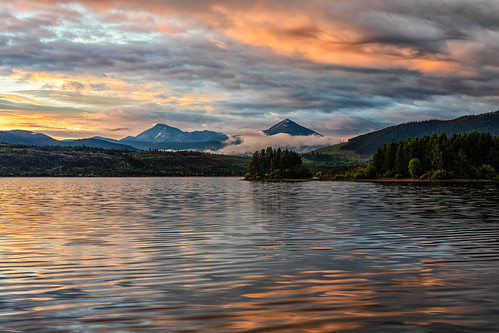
[214, 254]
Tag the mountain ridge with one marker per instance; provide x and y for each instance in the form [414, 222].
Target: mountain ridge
[288, 126]
[363, 146]
[160, 136]
[161, 133]
[29, 138]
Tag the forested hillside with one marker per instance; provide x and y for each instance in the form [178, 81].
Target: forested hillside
[368, 143]
[17, 160]
[470, 156]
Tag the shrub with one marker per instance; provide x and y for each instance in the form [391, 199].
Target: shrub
[426, 175]
[486, 171]
[442, 174]
[370, 172]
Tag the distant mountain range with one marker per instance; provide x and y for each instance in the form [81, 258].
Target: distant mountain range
[163, 133]
[158, 137]
[363, 146]
[27, 138]
[162, 136]
[20, 137]
[165, 137]
[290, 127]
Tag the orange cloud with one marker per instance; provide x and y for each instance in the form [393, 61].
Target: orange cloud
[339, 33]
[242, 60]
[87, 105]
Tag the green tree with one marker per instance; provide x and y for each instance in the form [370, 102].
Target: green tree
[378, 161]
[390, 157]
[472, 155]
[276, 164]
[486, 171]
[414, 168]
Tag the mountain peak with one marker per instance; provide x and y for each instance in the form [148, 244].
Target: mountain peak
[290, 127]
[161, 133]
[158, 125]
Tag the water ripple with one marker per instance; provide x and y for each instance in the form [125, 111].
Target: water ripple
[218, 254]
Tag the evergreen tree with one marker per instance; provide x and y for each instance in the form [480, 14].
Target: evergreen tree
[276, 164]
[472, 155]
[414, 168]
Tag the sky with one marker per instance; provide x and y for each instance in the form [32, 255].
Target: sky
[73, 69]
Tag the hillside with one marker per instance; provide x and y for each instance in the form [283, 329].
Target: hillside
[438, 157]
[335, 153]
[97, 143]
[19, 160]
[363, 146]
[27, 138]
[368, 143]
[20, 137]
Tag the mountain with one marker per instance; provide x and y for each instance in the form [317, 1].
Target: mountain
[166, 137]
[161, 137]
[29, 138]
[289, 127]
[163, 133]
[159, 133]
[105, 139]
[363, 146]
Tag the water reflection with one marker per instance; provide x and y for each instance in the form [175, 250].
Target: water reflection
[218, 254]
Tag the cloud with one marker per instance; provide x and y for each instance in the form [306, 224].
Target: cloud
[344, 126]
[139, 117]
[346, 66]
[73, 85]
[247, 141]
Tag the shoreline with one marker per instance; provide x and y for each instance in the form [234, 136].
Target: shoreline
[417, 180]
[378, 180]
[285, 180]
[413, 180]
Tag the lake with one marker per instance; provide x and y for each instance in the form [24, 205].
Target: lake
[225, 255]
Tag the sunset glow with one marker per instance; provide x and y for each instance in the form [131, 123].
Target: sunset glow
[114, 68]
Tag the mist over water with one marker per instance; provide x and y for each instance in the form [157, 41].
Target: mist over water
[220, 254]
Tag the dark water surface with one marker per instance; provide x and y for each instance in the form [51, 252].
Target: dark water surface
[223, 255]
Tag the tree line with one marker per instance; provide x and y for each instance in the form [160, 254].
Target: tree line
[276, 164]
[57, 161]
[367, 144]
[471, 156]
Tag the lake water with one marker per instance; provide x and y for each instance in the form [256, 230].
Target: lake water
[224, 255]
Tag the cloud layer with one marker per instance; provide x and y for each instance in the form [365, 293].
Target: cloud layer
[339, 67]
[247, 141]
